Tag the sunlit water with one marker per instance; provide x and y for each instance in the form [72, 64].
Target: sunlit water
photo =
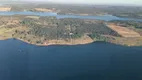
[95, 61]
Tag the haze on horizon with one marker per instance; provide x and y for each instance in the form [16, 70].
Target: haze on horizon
[128, 2]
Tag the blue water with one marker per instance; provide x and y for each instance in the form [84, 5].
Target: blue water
[95, 61]
[103, 17]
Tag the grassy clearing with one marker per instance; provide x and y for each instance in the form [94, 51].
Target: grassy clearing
[123, 31]
[33, 17]
[128, 41]
[7, 32]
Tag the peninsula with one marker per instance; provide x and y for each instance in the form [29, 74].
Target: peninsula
[45, 30]
[52, 31]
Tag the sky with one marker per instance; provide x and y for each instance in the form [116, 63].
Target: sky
[135, 2]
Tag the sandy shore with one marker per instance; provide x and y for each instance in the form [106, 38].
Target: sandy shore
[83, 40]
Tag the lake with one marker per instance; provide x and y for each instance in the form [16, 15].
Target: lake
[94, 61]
[59, 16]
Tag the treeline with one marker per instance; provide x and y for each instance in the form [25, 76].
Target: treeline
[135, 24]
[128, 15]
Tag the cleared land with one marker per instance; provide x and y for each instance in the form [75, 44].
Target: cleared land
[5, 8]
[129, 41]
[33, 17]
[123, 31]
[44, 9]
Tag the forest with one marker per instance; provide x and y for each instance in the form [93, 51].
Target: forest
[49, 28]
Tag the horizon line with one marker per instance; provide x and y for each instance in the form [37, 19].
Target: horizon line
[50, 2]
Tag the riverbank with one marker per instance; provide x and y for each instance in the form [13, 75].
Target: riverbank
[118, 40]
[82, 40]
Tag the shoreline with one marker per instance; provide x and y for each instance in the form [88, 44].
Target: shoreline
[55, 43]
[83, 40]
[70, 44]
